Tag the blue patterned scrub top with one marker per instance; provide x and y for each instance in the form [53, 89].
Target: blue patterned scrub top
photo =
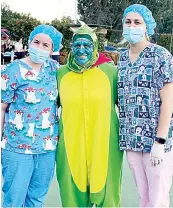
[139, 99]
[31, 125]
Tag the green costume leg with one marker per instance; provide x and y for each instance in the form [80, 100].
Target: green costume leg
[110, 196]
[70, 194]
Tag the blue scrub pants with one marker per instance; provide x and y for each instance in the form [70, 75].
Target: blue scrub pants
[26, 178]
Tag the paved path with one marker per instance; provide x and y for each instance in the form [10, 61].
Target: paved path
[129, 192]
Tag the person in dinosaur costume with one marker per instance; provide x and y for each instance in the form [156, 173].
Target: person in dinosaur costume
[89, 162]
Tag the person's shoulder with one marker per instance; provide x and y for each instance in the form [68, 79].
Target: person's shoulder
[109, 68]
[53, 64]
[160, 51]
[123, 51]
[63, 68]
[62, 71]
[12, 66]
[10, 71]
[123, 54]
[52, 61]
[110, 65]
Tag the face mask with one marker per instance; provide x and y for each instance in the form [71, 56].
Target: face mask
[38, 55]
[133, 34]
[82, 50]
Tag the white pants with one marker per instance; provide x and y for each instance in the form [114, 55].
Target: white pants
[153, 182]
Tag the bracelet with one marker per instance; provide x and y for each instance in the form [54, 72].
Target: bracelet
[160, 140]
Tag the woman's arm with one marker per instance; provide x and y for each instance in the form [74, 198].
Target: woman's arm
[166, 110]
[3, 109]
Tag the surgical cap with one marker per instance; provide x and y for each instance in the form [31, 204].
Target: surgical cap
[145, 13]
[51, 31]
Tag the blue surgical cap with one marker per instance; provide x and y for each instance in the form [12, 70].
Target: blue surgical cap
[51, 31]
[145, 14]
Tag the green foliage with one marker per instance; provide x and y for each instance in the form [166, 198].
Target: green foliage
[64, 27]
[101, 40]
[109, 12]
[19, 25]
[165, 41]
[115, 35]
[102, 12]
[7, 14]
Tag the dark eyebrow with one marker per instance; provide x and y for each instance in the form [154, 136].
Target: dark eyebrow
[36, 40]
[46, 44]
[137, 20]
[134, 19]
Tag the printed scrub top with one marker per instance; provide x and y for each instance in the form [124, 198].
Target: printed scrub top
[31, 119]
[139, 100]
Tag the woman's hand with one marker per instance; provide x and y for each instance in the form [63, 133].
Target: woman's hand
[157, 153]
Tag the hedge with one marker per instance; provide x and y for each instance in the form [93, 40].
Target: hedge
[165, 41]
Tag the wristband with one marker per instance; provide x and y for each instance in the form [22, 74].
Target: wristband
[160, 140]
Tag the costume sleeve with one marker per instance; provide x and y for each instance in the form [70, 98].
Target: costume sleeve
[163, 71]
[115, 84]
[9, 82]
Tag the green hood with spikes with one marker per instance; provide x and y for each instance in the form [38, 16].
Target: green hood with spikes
[85, 32]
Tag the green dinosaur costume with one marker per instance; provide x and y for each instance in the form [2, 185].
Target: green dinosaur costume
[89, 162]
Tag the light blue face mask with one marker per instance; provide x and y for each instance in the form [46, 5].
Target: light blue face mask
[82, 50]
[37, 55]
[133, 34]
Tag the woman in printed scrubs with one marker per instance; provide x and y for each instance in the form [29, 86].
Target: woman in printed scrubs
[145, 91]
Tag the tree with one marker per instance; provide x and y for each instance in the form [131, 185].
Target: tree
[7, 14]
[102, 12]
[19, 25]
[63, 26]
[109, 12]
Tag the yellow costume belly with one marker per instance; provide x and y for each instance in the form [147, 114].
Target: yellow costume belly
[86, 101]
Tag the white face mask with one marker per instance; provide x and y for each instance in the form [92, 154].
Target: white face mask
[38, 55]
[134, 34]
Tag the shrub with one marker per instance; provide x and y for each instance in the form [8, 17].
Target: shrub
[166, 42]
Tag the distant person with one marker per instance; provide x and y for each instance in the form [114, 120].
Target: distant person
[8, 47]
[55, 56]
[19, 46]
[19, 51]
[8, 51]
[26, 50]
